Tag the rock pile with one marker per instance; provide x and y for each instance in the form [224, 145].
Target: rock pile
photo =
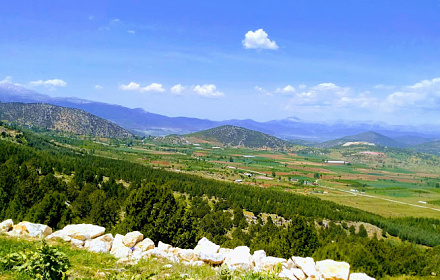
[133, 246]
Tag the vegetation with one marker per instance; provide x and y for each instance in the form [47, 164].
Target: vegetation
[56, 184]
[45, 116]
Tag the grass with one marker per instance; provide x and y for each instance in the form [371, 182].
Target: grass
[87, 265]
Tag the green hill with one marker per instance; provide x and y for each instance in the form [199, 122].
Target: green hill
[238, 136]
[369, 136]
[58, 118]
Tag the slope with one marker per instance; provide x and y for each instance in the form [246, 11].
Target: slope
[369, 136]
[58, 118]
[238, 136]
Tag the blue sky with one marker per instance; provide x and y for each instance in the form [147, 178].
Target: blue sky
[316, 60]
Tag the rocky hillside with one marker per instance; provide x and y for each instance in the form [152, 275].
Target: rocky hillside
[58, 118]
[238, 136]
[132, 247]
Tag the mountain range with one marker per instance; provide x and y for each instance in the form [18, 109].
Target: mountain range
[141, 122]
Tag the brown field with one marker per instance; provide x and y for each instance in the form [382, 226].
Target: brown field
[200, 154]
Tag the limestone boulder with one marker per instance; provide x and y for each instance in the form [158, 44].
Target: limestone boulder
[286, 273]
[187, 255]
[307, 265]
[144, 245]
[30, 229]
[269, 263]
[298, 273]
[6, 225]
[119, 250]
[240, 258]
[212, 258]
[102, 244]
[206, 246]
[333, 270]
[80, 231]
[360, 276]
[256, 259]
[77, 243]
[132, 238]
[164, 247]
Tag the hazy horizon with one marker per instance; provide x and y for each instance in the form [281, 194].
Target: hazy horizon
[318, 61]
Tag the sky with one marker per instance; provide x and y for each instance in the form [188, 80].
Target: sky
[319, 61]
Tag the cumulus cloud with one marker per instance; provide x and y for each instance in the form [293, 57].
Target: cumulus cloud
[98, 87]
[115, 20]
[208, 91]
[131, 32]
[132, 86]
[49, 83]
[154, 87]
[258, 40]
[177, 89]
[286, 89]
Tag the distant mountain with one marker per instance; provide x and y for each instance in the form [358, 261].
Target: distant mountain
[58, 118]
[145, 123]
[412, 140]
[238, 136]
[369, 137]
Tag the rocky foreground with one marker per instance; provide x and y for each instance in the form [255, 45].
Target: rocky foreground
[133, 246]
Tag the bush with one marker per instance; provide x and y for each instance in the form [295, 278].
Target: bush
[47, 263]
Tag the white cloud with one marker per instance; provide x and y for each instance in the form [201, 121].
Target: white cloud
[131, 31]
[177, 89]
[154, 87]
[426, 84]
[258, 40]
[7, 80]
[115, 20]
[132, 86]
[98, 87]
[208, 91]
[286, 89]
[91, 18]
[49, 83]
[262, 90]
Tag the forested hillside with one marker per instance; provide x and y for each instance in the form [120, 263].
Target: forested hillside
[58, 118]
[48, 184]
[238, 136]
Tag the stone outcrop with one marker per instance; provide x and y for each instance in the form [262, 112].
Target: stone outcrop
[333, 270]
[133, 246]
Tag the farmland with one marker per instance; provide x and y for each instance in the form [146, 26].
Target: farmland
[397, 183]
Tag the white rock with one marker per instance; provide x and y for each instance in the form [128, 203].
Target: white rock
[240, 258]
[31, 229]
[144, 245]
[298, 273]
[97, 246]
[81, 231]
[360, 276]
[333, 270]
[119, 250]
[6, 225]
[206, 246]
[77, 243]
[132, 238]
[213, 259]
[187, 255]
[268, 263]
[286, 273]
[164, 247]
[256, 259]
[102, 244]
[307, 265]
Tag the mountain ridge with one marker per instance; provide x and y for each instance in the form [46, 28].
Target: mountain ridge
[145, 123]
